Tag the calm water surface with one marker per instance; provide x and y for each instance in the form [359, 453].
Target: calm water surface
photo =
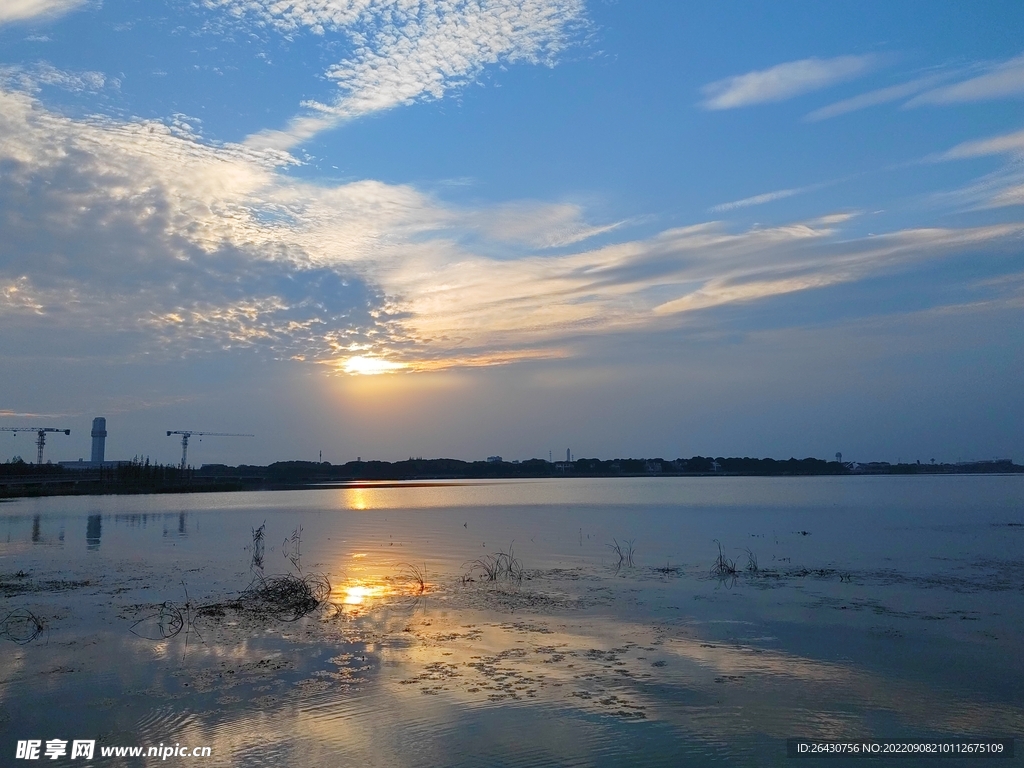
[886, 607]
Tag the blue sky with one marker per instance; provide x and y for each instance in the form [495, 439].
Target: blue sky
[463, 227]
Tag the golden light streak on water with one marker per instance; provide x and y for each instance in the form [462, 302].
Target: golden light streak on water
[362, 593]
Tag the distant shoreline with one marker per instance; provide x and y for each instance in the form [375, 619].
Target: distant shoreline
[140, 477]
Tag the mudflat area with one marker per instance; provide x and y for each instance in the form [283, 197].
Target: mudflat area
[660, 621]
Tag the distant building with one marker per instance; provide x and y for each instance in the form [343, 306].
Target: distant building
[99, 439]
[99, 445]
[83, 465]
[494, 459]
[871, 467]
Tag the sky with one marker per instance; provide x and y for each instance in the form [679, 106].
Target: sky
[463, 228]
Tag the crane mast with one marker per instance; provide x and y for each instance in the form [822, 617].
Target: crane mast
[187, 433]
[40, 437]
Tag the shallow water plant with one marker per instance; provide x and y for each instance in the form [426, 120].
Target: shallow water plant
[624, 551]
[257, 547]
[751, 561]
[723, 567]
[415, 575]
[501, 566]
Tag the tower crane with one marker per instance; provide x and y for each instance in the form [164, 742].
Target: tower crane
[40, 437]
[187, 433]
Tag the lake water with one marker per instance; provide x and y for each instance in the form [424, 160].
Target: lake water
[880, 607]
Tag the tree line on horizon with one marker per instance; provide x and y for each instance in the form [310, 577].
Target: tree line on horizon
[140, 472]
[414, 468]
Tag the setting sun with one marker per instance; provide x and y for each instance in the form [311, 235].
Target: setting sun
[371, 366]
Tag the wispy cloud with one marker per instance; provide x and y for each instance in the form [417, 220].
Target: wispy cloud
[784, 81]
[1009, 143]
[22, 10]
[874, 98]
[9, 414]
[1005, 80]
[1008, 197]
[403, 52]
[1001, 188]
[767, 197]
[538, 224]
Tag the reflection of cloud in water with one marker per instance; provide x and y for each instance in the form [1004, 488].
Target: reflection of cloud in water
[320, 690]
[707, 689]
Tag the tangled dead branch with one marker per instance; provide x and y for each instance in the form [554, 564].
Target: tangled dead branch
[624, 551]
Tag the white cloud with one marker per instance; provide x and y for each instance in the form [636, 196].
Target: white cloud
[1005, 80]
[32, 77]
[21, 10]
[142, 233]
[405, 51]
[784, 81]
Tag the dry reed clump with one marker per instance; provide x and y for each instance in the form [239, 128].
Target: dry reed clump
[286, 598]
[501, 566]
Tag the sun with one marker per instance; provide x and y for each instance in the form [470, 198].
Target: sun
[371, 366]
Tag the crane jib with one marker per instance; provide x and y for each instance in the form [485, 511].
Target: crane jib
[40, 437]
[187, 433]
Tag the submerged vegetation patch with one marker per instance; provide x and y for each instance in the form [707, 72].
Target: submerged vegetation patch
[19, 584]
